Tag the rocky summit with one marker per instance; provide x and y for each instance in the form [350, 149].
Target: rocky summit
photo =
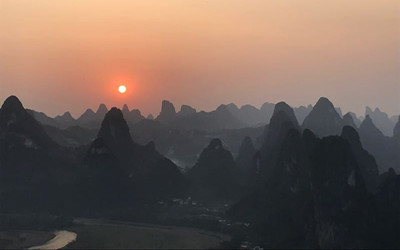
[323, 120]
[214, 175]
[167, 113]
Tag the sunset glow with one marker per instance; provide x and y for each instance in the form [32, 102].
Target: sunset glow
[246, 52]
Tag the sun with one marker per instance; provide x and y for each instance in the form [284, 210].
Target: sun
[122, 89]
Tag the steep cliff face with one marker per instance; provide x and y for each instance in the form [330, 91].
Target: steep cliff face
[349, 121]
[381, 120]
[31, 164]
[66, 119]
[115, 132]
[281, 122]
[167, 113]
[396, 130]
[151, 173]
[314, 196]
[384, 149]
[246, 155]
[101, 110]
[89, 119]
[368, 127]
[302, 112]
[186, 110]
[214, 175]
[366, 162]
[17, 126]
[339, 194]
[323, 120]
[246, 161]
[388, 204]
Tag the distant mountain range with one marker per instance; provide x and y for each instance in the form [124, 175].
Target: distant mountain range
[227, 116]
[182, 134]
[320, 183]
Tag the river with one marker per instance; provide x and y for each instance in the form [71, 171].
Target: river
[60, 240]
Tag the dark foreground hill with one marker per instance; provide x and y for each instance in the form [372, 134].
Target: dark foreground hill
[33, 167]
[37, 174]
[214, 177]
[153, 174]
[322, 193]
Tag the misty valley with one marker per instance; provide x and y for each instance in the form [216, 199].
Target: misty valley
[271, 177]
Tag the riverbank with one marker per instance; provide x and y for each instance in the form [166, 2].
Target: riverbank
[21, 239]
[101, 235]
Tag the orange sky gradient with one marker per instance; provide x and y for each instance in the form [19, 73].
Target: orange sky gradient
[71, 55]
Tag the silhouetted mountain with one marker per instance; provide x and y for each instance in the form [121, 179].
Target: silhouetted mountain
[221, 118]
[115, 132]
[131, 116]
[296, 189]
[214, 175]
[65, 119]
[381, 120]
[368, 127]
[232, 108]
[31, 163]
[302, 112]
[103, 181]
[388, 205]
[246, 154]
[42, 118]
[233, 138]
[323, 120]
[384, 149]
[394, 118]
[246, 161]
[167, 113]
[73, 136]
[89, 119]
[143, 164]
[281, 122]
[251, 115]
[226, 116]
[150, 117]
[357, 120]
[102, 110]
[314, 197]
[267, 109]
[366, 162]
[125, 110]
[282, 106]
[183, 146]
[135, 116]
[186, 110]
[339, 111]
[396, 130]
[17, 124]
[348, 120]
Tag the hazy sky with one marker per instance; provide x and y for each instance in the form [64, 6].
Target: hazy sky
[61, 55]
